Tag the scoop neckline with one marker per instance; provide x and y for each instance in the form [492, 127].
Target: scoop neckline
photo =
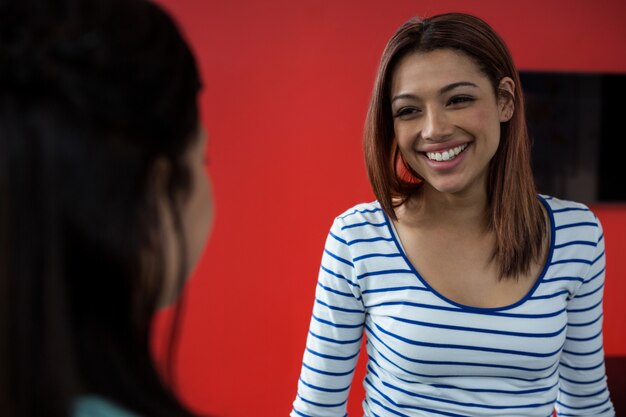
[538, 280]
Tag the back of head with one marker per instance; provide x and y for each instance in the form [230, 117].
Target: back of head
[92, 93]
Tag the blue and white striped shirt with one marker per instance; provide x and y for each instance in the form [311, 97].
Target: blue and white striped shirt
[431, 356]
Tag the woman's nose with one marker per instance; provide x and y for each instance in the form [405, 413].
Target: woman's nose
[436, 125]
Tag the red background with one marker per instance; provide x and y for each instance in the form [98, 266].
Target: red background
[287, 85]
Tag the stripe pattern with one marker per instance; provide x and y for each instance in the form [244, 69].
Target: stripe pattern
[430, 356]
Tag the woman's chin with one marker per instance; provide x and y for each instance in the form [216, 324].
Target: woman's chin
[448, 187]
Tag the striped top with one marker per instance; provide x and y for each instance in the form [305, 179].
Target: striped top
[431, 356]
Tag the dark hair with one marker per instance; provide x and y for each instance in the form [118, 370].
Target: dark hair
[92, 93]
[515, 214]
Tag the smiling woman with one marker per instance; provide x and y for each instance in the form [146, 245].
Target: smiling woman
[478, 297]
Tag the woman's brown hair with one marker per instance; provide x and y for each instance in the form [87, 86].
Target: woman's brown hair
[515, 213]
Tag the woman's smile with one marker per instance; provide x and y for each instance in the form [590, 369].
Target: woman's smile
[446, 155]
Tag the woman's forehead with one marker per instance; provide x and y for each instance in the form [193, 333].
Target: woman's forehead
[430, 71]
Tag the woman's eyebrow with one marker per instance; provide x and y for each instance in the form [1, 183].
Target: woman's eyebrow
[452, 86]
[405, 95]
[442, 90]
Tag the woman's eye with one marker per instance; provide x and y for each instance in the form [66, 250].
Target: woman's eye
[406, 112]
[460, 100]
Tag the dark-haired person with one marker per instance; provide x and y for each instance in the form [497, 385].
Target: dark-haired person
[104, 202]
[478, 297]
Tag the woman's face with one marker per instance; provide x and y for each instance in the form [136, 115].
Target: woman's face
[197, 218]
[447, 118]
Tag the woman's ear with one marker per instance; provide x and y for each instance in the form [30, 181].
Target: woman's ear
[159, 175]
[506, 99]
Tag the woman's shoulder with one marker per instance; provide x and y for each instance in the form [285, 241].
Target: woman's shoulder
[557, 206]
[96, 406]
[570, 217]
[362, 213]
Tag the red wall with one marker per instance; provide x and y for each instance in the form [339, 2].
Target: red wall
[287, 85]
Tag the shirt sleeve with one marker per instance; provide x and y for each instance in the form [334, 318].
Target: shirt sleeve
[583, 388]
[335, 333]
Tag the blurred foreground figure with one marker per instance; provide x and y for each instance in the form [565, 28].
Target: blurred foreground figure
[105, 204]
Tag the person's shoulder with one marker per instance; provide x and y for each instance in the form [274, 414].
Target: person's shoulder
[568, 214]
[360, 213]
[96, 406]
[573, 208]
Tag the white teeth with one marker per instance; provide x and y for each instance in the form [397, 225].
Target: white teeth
[446, 155]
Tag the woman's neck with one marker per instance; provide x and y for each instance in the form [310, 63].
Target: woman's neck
[431, 208]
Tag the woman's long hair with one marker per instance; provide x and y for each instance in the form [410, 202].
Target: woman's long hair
[92, 93]
[515, 213]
